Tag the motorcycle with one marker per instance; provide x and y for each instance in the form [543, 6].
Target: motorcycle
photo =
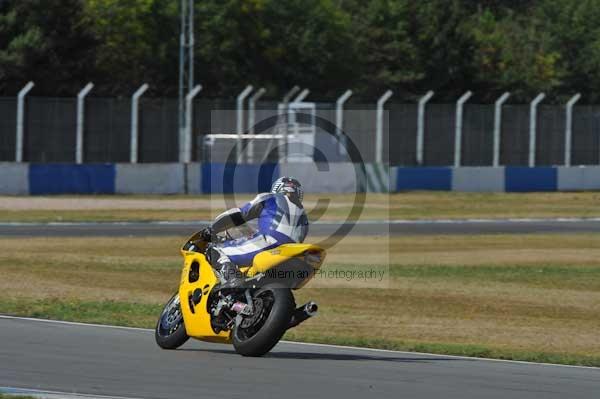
[252, 316]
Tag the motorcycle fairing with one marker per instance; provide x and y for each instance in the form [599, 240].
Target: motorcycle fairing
[198, 276]
[195, 316]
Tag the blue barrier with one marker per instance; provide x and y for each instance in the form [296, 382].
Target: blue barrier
[71, 179]
[233, 178]
[524, 179]
[424, 179]
[223, 178]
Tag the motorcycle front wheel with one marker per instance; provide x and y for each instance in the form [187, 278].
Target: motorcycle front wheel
[259, 333]
[170, 331]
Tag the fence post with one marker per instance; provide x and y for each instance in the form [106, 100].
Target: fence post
[252, 119]
[81, 121]
[533, 127]
[379, 126]
[421, 125]
[286, 100]
[240, 120]
[569, 128]
[498, 126]
[21, 121]
[185, 147]
[339, 118]
[458, 127]
[303, 94]
[133, 154]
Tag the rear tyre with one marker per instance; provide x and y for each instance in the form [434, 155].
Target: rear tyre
[259, 333]
[170, 330]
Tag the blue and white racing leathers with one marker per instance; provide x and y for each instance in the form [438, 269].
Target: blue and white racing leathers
[280, 221]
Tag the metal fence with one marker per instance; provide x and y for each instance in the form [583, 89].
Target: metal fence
[50, 126]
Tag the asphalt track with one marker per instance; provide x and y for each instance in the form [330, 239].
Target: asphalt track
[399, 227]
[122, 362]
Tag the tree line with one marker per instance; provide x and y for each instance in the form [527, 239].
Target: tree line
[449, 46]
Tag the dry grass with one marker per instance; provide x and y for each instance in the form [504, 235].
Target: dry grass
[411, 205]
[511, 293]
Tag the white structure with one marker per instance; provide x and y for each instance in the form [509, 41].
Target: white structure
[185, 142]
[282, 125]
[421, 125]
[339, 118]
[133, 154]
[498, 126]
[21, 121]
[569, 128]
[240, 120]
[301, 141]
[300, 97]
[533, 127]
[379, 126]
[81, 121]
[252, 119]
[458, 127]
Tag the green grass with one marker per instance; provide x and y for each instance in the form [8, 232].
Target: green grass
[546, 276]
[5, 396]
[129, 314]
[481, 351]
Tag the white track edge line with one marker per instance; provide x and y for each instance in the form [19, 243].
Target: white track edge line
[323, 222]
[41, 392]
[75, 323]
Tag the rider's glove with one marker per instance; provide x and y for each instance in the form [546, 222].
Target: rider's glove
[209, 235]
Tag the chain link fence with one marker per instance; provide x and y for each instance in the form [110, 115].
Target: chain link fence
[50, 131]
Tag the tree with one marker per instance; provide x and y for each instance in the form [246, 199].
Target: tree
[276, 43]
[514, 53]
[444, 48]
[49, 45]
[387, 55]
[138, 43]
[575, 34]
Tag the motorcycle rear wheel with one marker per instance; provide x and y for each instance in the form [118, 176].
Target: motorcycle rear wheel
[258, 334]
[170, 331]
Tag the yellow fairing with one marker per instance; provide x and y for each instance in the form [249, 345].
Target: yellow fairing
[197, 323]
[197, 318]
[268, 259]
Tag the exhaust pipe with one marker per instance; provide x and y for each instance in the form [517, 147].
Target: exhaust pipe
[302, 313]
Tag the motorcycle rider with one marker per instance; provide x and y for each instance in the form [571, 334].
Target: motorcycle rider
[281, 220]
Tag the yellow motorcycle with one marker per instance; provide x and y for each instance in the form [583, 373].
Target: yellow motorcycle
[254, 315]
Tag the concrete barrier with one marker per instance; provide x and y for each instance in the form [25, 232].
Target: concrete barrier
[166, 178]
[14, 178]
[71, 179]
[194, 178]
[376, 179]
[578, 178]
[478, 179]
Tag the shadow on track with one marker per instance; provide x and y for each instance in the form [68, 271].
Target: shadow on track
[333, 356]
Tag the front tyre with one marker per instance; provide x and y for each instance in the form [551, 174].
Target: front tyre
[259, 333]
[170, 330]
